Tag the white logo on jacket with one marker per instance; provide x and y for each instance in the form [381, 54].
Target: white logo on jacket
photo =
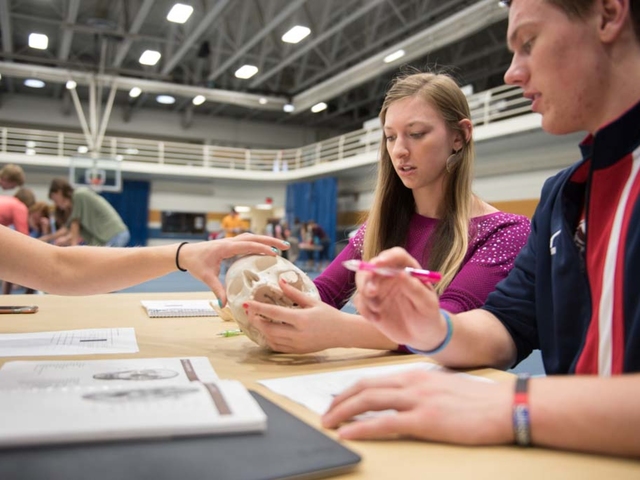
[552, 247]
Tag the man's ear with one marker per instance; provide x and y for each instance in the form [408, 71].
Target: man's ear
[614, 16]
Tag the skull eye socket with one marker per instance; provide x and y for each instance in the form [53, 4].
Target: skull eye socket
[248, 278]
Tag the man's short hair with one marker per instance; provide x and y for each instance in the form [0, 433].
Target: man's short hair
[580, 9]
[61, 185]
[13, 173]
[26, 196]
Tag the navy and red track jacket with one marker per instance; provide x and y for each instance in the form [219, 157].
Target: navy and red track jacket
[582, 310]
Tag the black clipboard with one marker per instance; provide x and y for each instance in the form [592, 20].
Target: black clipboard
[289, 449]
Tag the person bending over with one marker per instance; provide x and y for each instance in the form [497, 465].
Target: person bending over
[91, 219]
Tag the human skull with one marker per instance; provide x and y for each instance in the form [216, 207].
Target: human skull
[256, 277]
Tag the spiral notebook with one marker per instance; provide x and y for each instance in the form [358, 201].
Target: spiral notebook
[179, 308]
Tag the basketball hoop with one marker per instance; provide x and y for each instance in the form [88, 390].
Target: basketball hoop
[95, 178]
[98, 174]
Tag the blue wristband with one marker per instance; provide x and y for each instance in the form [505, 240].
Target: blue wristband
[444, 343]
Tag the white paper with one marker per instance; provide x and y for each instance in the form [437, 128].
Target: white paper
[78, 414]
[69, 342]
[179, 308]
[317, 391]
[106, 373]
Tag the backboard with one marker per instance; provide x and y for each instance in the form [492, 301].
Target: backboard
[101, 174]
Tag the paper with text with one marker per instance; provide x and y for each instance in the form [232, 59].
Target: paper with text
[93, 413]
[317, 391]
[106, 373]
[69, 342]
[179, 308]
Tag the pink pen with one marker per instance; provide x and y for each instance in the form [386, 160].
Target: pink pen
[425, 276]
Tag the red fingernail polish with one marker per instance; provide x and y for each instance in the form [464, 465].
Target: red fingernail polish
[245, 305]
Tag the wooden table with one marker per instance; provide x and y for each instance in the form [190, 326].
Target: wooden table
[238, 357]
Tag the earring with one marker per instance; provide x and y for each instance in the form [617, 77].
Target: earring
[452, 160]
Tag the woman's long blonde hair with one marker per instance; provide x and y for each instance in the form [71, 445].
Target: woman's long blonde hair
[393, 205]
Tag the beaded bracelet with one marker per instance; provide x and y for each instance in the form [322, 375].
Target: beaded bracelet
[444, 343]
[178, 256]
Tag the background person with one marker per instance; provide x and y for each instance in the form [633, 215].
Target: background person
[14, 212]
[232, 224]
[91, 219]
[11, 176]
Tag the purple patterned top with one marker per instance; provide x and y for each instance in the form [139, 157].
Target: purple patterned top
[496, 240]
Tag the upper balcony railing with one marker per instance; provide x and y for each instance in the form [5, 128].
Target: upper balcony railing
[486, 107]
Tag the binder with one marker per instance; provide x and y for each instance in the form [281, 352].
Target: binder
[288, 449]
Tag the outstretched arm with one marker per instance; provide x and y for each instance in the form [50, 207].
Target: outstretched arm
[91, 270]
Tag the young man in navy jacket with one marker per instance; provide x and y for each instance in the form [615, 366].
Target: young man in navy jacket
[574, 292]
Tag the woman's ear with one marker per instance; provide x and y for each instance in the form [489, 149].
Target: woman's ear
[464, 135]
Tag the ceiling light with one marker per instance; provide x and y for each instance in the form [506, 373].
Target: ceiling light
[132, 151]
[296, 34]
[242, 209]
[39, 41]
[135, 92]
[34, 83]
[165, 99]
[30, 144]
[179, 13]
[149, 57]
[30, 151]
[119, 158]
[262, 101]
[83, 149]
[71, 84]
[393, 56]
[288, 108]
[246, 71]
[264, 206]
[198, 100]
[318, 107]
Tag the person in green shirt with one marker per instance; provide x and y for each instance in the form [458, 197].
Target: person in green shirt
[92, 218]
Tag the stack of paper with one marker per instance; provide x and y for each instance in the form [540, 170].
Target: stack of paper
[57, 402]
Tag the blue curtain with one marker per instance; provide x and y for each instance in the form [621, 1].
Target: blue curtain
[133, 206]
[317, 201]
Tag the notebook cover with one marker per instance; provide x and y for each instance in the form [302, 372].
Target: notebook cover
[289, 449]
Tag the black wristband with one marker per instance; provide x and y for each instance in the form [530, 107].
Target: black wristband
[178, 257]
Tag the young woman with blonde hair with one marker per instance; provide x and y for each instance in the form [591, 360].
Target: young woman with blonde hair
[422, 202]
